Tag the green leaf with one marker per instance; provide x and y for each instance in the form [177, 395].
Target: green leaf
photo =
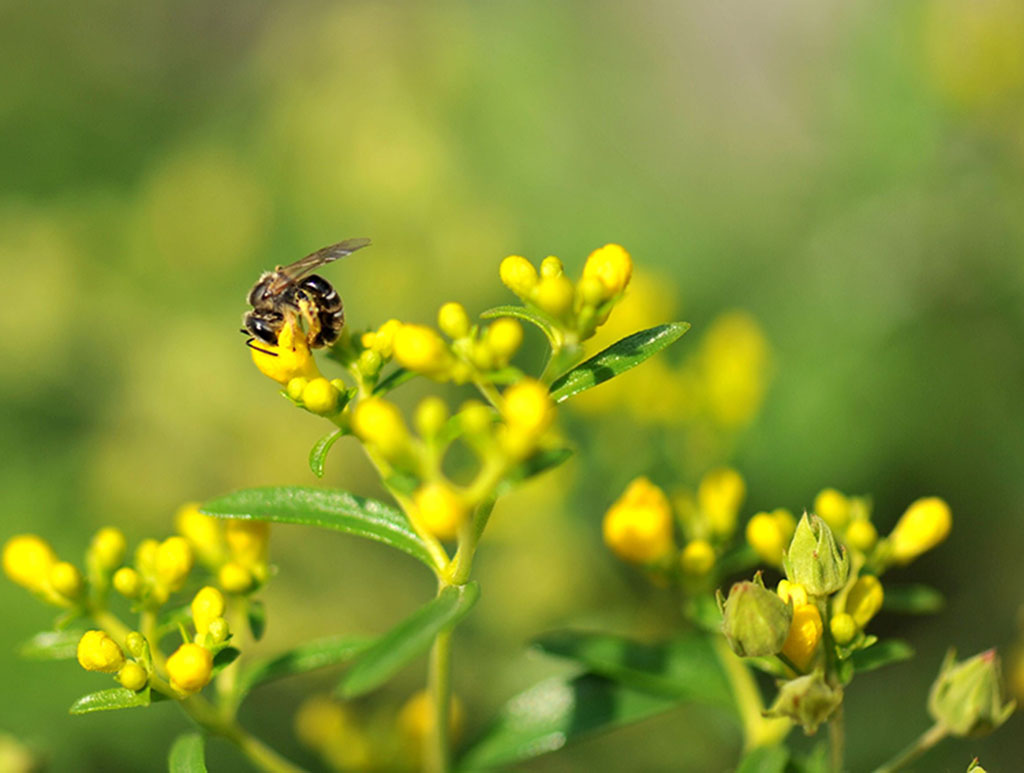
[616, 359]
[108, 700]
[318, 453]
[326, 508]
[225, 658]
[914, 599]
[408, 639]
[685, 668]
[188, 754]
[542, 461]
[881, 654]
[52, 645]
[525, 314]
[257, 617]
[765, 759]
[309, 656]
[553, 713]
[394, 380]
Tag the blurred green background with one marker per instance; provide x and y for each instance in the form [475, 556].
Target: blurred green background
[850, 175]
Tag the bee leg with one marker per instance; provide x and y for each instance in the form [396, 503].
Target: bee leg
[250, 345]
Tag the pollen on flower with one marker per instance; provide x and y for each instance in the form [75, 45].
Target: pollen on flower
[288, 359]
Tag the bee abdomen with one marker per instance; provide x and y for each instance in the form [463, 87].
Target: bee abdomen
[326, 296]
[331, 323]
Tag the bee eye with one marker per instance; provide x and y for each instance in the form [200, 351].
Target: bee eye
[263, 329]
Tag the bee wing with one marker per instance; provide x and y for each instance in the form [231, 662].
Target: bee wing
[324, 255]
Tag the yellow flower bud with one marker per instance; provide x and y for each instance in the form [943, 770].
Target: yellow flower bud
[804, 635]
[440, 510]
[833, 508]
[370, 362]
[554, 295]
[203, 532]
[638, 526]
[528, 407]
[145, 556]
[98, 652]
[218, 630]
[190, 668]
[137, 645]
[133, 676]
[234, 578]
[248, 540]
[320, 396]
[923, 526]
[864, 599]
[861, 535]
[295, 387]
[843, 627]
[719, 497]
[765, 535]
[697, 558]
[590, 291]
[453, 320]
[108, 548]
[475, 417]
[431, 415]
[612, 266]
[518, 275]
[66, 579]
[328, 727]
[421, 349]
[379, 422]
[382, 342]
[792, 591]
[173, 562]
[28, 560]
[416, 718]
[551, 266]
[207, 605]
[287, 359]
[504, 337]
[127, 582]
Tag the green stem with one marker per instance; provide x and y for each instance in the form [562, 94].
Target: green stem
[437, 757]
[758, 730]
[490, 392]
[924, 742]
[836, 739]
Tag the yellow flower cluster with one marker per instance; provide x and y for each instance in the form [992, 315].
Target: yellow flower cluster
[235, 551]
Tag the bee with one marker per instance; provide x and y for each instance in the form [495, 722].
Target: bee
[292, 292]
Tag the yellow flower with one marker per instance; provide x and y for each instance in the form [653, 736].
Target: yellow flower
[611, 266]
[769, 534]
[843, 627]
[518, 275]
[133, 676]
[861, 535]
[288, 359]
[416, 718]
[554, 295]
[190, 668]
[865, 599]
[107, 548]
[503, 338]
[733, 366]
[28, 560]
[638, 527]
[421, 349]
[173, 562]
[804, 635]
[441, 511]
[234, 578]
[719, 497]
[792, 591]
[203, 533]
[697, 558]
[528, 411]
[66, 580]
[207, 606]
[923, 526]
[328, 727]
[320, 396]
[431, 415]
[453, 320]
[833, 508]
[379, 422]
[127, 582]
[98, 652]
[248, 540]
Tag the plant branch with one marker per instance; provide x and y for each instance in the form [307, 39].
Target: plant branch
[924, 742]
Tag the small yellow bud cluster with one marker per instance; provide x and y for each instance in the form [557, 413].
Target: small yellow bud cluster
[849, 518]
[528, 412]
[638, 527]
[97, 651]
[160, 568]
[769, 534]
[330, 729]
[580, 307]
[235, 551]
[31, 562]
[317, 395]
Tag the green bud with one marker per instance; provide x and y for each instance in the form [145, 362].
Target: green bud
[755, 620]
[218, 630]
[137, 645]
[807, 700]
[968, 698]
[814, 559]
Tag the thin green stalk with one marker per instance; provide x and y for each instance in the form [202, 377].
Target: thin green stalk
[836, 739]
[437, 758]
[758, 730]
[924, 742]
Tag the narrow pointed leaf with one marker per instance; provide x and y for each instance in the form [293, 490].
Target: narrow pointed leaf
[188, 754]
[257, 617]
[108, 700]
[617, 358]
[765, 759]
[326, 508]
[225, 658]
[52, 645]
[914, 599]
[408, 639]
[555, 712]
[684, 668]
[318, 653]
[881, 654]
[394, 380]
[318, 453]
[525, 314]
